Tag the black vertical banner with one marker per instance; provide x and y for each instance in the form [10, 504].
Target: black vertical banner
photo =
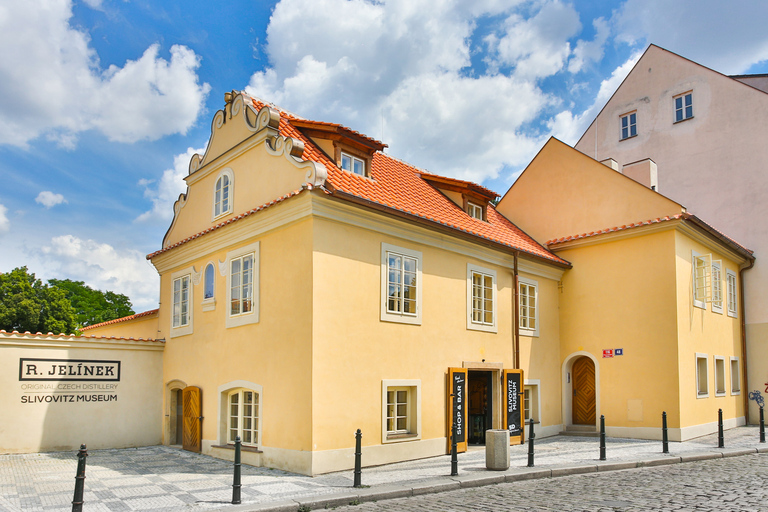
[514, 389]
[459, 388]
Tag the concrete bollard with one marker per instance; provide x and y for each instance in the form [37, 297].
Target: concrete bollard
[497, 449]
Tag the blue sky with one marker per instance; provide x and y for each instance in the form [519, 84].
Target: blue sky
[103, 102]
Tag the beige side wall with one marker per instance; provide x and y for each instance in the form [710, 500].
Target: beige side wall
[62, 412]
[706, 332]
[144, 327]
[621, 294]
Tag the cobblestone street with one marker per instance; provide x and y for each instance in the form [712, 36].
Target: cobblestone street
[730, 484]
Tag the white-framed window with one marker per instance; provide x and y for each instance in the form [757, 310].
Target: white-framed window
[702, 278]
[481, 299]
[181, 302]
[719, 375]
[529, 306]
[209, 278]
[735, 376]
[243, 285]
[400, 284]
[732, 297]
[223, 193]
[628, 125]
[401, 410]
[353, 164]
[702, 376]
[683, 106]
[475, 210]
[243, 417]
[717, 287]
[531, 401]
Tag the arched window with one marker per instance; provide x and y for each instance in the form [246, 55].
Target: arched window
[222, 194]
[209, 276]
[243, 417]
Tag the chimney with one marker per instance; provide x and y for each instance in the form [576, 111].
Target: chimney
[643, 172]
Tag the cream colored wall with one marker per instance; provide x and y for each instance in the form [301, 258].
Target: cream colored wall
[556, 183]
[707, 332]
[51, 415]
[144, 327]
[621, 294]
[713, 163]
[275, 353]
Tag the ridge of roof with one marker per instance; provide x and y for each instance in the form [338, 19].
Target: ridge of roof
[369, 141]
[470, 185]
[122, 319]
[92, 337]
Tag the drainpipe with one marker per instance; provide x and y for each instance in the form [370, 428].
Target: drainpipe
[743, 323]
[516, 316]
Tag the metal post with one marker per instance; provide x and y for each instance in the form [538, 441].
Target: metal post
[664, 438]
[602, 437]
[762, 426]
[720, 439]
[454, 453]
[358, 458]
[236, 482]
[531, 435]
[77, 501]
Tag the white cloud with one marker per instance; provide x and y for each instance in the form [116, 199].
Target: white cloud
[49, 199]
[5, 223]
[165, 192]
[103, 267]
[726, 36]
[590, 51]
[51, 82]
[405, 65]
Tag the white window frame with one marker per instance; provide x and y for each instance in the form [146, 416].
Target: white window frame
[719, 366]
[230, 194]
[395, 316]
[735, 376]
[699, 377]
[532, 397]
[701, 280]
[682, 97]
[631, 127]
[732, 293]
[525, 331]
[474, 210]
[481, 325]
[241, 418]
[413, 386]
[209, 303]
[352, 161]
[717, 287]
[182, 329]
[224, 391]
[252, 316]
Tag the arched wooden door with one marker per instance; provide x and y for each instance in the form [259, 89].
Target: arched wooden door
[583, 403]
[192, 429]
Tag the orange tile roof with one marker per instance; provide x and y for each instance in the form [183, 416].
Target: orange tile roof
[119, 320]
[74, 337]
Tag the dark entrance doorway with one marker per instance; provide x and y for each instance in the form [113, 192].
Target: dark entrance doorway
[480, 405]
[584, 403]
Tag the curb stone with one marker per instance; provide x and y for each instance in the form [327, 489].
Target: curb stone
[434, 486]
[616, 466]
[658, 462]
[468, 481]
[573, 470]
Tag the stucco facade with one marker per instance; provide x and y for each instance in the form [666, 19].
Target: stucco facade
[712, 160]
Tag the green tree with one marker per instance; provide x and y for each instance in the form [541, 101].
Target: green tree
[28, 304]
[93, 306]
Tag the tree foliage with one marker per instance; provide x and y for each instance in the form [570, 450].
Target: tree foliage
[93, 306]
[28, 304]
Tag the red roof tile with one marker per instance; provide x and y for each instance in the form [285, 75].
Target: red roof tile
[74, 337]
[123, 319]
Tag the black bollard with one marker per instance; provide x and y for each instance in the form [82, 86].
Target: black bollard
[358, 458]
[664, 438]
[454, 453]
[602, 437]
[762, 426]
[531, 435]
[720, 439]
[77, 501]
[236, 482]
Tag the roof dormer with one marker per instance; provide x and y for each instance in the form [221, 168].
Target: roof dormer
[470, 197]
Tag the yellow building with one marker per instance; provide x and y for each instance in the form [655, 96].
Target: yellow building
[649, 314]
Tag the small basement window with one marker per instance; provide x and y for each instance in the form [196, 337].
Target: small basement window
[352, 164]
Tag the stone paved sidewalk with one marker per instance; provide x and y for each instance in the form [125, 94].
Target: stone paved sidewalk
[162, 478]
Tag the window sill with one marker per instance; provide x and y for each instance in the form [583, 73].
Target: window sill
[528, 333]
[735, 393]
[401, 437]
[732, 315]
[251, 449]
[683, 120]
[720, 394]
[702, 395]
[627, 138]
[209, 304]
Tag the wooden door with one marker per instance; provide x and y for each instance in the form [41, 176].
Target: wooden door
[192, 428]
[457, 407]
[514, 413]
[583, 404]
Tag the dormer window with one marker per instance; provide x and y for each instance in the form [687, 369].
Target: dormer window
[475, 210]
[222, 194]
[353, 164]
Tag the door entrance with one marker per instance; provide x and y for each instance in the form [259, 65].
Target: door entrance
[480, 405]
[583, 391]
[192, 437]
